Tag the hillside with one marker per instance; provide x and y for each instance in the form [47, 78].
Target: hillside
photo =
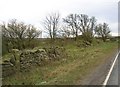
[71, 68]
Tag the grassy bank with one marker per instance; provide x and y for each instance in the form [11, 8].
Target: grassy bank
[80, 62]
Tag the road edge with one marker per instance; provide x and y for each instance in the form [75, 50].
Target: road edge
[110, 71]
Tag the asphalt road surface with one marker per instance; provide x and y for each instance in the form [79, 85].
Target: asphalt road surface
[114, 77]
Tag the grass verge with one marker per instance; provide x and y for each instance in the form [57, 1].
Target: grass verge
[80, 62]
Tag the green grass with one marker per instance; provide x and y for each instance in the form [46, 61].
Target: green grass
[70, 70]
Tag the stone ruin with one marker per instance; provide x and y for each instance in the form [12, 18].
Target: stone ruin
[29, 58]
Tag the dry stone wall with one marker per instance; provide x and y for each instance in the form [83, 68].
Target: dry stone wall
[30, 58]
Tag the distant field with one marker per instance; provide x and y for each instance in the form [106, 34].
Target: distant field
[80, 62]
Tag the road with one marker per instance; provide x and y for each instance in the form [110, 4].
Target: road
[114, 76]
[113, 79]
[100, 73]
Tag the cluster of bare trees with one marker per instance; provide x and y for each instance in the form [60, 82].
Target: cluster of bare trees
[102, 30]
[76, 25]
[19, 35]
[81, 23]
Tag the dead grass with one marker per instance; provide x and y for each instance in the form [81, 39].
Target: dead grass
[66, 71]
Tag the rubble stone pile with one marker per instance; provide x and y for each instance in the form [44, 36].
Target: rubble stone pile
[29, 58]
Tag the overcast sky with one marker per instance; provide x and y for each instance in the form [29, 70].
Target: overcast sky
[34, 11]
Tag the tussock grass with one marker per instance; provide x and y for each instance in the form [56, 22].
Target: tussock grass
[80, 62]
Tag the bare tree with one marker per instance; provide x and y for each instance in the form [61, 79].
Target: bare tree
[5, 39]
[73, 22]
[65, 31]
[103, 31]
[32, 33]
[51, 24]
[87, 25]
[16, 33]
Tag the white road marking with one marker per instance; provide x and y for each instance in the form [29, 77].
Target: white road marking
[109, 73]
